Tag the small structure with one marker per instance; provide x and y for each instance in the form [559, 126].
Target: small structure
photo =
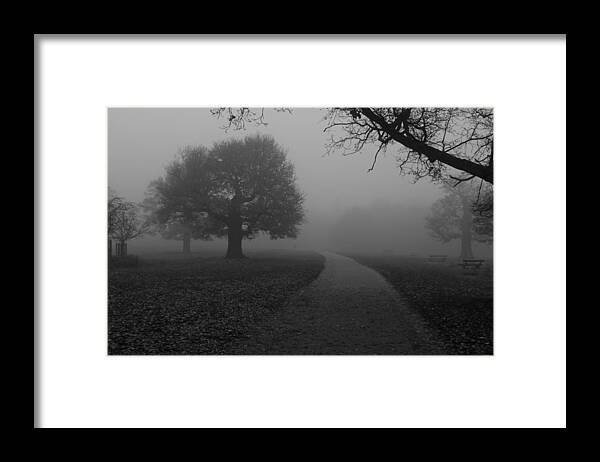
[471, 264]
[437, 258]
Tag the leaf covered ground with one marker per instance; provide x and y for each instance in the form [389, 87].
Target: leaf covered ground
[199, 305]
[458, 305]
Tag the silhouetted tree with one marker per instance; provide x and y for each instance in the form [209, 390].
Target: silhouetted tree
[452, 217]
[253, 189]
[433, 141]
[128, 224]
[116, 204]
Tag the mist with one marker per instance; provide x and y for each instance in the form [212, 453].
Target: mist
[347, 207]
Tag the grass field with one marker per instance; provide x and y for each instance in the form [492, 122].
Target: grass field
[459, 306]
[171, 304]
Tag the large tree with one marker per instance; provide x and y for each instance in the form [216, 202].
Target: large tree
[439, 143]
[253, 189]
[240, 187]
[458, 215]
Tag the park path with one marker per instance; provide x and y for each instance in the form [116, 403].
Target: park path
[348, 309]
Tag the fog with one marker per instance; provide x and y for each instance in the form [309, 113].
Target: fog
[347, 207]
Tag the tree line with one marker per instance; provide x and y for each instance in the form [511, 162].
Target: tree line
[239, 188]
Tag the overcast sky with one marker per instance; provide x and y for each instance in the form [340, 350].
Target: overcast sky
[142, 141]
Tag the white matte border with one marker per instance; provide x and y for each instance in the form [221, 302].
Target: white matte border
[522, 385]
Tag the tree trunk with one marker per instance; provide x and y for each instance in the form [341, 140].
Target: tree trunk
[186, 243]
[123, 249]
[234, 239]
[466, 251]
[109, 248]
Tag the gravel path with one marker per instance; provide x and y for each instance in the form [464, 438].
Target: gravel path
[348, 309]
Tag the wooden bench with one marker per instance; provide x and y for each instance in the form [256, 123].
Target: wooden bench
[471, 264]
[437, 258]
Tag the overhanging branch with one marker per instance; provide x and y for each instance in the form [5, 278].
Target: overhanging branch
[484, 172]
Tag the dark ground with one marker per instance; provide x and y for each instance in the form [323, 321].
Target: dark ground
[458, 306]
[198, 305]
[281, 302]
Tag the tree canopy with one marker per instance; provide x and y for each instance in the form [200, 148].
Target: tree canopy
[238, 188]
[172, 199]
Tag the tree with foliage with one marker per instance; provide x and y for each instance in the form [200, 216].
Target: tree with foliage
[171, 199]
[240, 187]
[439, 143]
[455, 216]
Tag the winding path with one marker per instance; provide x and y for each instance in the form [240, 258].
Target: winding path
[348, 309]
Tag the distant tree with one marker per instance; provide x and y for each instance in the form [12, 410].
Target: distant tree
[455, 216]
[239, 188]
[128, 224]
[439, 143]
[483, 215]
[184, 231]
[171, 200]
[116, 204]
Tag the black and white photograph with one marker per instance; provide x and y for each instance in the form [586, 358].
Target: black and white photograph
[299, 231]
[356, 231]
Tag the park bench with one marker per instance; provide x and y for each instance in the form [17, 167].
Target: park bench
[471, 264]
[437, 258]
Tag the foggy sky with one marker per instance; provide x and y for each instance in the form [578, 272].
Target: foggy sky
[142, 141]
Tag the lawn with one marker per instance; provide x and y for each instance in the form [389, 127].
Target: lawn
[198, 305]
[457, 305]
